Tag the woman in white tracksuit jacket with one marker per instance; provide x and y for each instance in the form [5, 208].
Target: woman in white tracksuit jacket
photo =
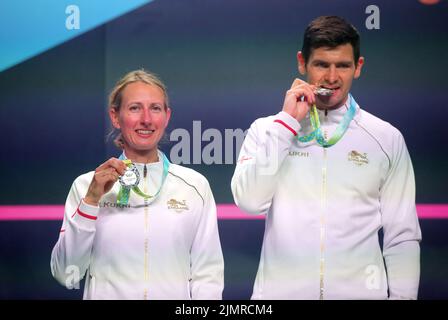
[324, 206]
[165, 246]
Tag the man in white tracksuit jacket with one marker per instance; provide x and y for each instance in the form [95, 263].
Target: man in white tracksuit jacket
[325, 203]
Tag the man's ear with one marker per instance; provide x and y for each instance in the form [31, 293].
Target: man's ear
[358, 67]
[301, 63]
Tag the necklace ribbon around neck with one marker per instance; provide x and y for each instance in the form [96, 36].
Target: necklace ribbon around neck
[124, 193]
[340, 130]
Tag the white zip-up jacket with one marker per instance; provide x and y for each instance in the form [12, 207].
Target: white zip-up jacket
[167, 249]
[325, 206]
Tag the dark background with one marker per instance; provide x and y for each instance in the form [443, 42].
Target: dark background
[225, 63]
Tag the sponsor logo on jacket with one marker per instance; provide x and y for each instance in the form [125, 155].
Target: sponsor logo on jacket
[358, 158]
[176, 205]
[107, 204]
[299, 154]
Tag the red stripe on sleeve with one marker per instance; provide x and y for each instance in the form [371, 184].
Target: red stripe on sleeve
[82, 214]
[286, 126]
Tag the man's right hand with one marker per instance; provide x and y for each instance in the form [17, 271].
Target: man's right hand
[293, 104]
[103, 180]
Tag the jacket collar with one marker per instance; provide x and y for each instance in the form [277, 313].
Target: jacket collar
[329, 117]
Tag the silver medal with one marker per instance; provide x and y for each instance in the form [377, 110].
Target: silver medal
[323, 91]
[130, 178]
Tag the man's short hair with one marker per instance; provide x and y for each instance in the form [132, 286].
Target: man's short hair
[330, 31]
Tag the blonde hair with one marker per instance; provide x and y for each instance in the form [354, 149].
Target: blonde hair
[116, 95]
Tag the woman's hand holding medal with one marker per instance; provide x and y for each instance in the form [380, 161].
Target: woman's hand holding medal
[103, 180]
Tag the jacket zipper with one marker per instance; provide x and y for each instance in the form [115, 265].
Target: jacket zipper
[146, 241]
[323, 205]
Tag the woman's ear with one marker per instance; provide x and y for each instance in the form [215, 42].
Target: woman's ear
[168, 116]
[113, 114]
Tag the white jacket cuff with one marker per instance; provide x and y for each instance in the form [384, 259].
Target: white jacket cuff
[85, 216]
[288, 122]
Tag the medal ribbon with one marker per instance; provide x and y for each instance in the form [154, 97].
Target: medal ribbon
[124, 193]
[340, 130]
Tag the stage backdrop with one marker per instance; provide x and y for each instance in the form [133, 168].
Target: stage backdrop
[225, 63]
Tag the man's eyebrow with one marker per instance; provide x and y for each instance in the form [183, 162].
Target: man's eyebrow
[347, 62]
[319, 61]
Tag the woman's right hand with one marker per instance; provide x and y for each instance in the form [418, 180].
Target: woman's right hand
[293, 104]
[103, 180]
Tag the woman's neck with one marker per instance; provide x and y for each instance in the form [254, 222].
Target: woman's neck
[142, 156]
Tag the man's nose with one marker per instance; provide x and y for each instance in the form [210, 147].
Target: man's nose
[332, 74]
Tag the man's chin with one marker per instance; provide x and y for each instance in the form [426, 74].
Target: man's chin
[329, 103]
[326, 105]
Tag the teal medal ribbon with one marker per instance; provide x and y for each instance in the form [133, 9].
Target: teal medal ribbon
[124, 192]
[340, 130]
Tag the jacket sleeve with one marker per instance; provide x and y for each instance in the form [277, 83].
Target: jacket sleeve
[401, 248]
[207, 262]
[264, 149]
[70, 257]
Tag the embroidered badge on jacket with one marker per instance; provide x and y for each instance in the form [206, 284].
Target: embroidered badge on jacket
[358, 158]
[176, 205]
